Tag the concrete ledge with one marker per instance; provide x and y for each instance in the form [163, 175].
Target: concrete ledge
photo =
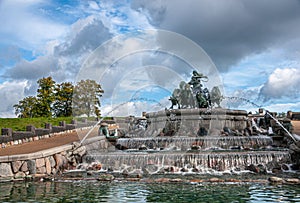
[35, 155]
[93, 139]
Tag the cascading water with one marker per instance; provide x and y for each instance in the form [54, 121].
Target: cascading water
[185, 143]
[193, 153]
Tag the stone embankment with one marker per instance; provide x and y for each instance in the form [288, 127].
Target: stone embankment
[47, 163]
[40, 164]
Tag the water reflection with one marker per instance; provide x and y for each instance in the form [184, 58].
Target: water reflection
[92, 191]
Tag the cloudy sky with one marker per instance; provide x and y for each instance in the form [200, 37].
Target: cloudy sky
[253, 47]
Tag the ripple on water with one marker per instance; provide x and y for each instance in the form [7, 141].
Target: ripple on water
[91, 191]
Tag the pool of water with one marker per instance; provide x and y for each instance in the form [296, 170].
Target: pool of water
[95, 191]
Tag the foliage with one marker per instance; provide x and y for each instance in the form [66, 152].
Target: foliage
[27, 107]
[63, 99]
[86, 98]
[45, 96]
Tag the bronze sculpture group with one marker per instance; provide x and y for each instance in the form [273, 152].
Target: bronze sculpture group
[193, 95]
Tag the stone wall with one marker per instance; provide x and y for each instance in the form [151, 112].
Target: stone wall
[51, 162]
[44, 163]
[188, 121]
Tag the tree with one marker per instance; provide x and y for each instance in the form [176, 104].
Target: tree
[45, 96]
[27, 107]
[86, 98]
[63, 94]
[60, 99]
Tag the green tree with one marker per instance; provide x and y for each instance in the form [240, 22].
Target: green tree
[45, 96]
[27, 107]
[63, 99]
[86, 98]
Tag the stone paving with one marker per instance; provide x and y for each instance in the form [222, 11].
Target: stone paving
[48, 143]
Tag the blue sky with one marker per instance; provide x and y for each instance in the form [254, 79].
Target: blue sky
[254, 46]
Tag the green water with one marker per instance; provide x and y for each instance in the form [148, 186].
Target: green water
[93, 191]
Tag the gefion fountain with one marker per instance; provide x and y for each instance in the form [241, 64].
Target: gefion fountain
[197, 137]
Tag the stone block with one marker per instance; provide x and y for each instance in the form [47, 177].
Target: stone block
[30, 128]
[31, 166]
[48, 126]
[62, 123]
[52, 161]
[16, 165]
[6, 170]
[20, 174]
[40, 162]
[41, 170]
[60, 161]
[6, 131]
[24, 167]
[48, 166]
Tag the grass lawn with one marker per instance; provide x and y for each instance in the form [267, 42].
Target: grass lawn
[19, 124]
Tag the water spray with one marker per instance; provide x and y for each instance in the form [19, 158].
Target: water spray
[267, 112]
[131, 100]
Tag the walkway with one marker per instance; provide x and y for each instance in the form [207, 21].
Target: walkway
[47, 143]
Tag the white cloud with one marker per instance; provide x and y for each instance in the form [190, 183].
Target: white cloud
[22, 25]
[282, 83]
[11, 93]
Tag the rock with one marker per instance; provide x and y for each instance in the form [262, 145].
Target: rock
[40, 162]
[176, 180]
[75, 174]
[95, 166]
[20, 174]
[184, 170]
[232, 180]
[106, 177]
[60, 160]
[76, 145]
[24, 167]
[125, 172]
[5, 170]
[16, 165]
[262, 169]
[133, 179]
[143, 147]
[52, 161]
[162, 180]
[48, 166]
[41, 170]
[54, 171]
[215, 180]
[31, 166]
[80, 151]
[150, 168]
[195, 170]
[195, 147]
[196, 181]
[171, 169]
[276, 170]
[275, 179]
[285, 167]
[292, 180]
[252, 168]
